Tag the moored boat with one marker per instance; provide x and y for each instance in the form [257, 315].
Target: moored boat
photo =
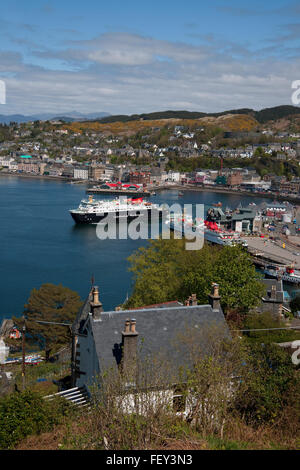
[92, 212]
[289, 274]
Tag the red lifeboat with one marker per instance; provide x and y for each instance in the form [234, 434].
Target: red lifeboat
[211, 225]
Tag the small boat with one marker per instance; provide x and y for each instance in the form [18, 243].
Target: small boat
[291, 275]
[180, 193]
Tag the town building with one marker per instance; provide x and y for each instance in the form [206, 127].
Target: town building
[234, 179]
[243, 219]
[81, 173]
[140, 177]
[97, 172]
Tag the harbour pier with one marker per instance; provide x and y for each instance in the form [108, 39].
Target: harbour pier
[265, 252]
[118, 192]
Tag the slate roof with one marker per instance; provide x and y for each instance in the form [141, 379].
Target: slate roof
[81, 315]
[245, 214]
[159, 330]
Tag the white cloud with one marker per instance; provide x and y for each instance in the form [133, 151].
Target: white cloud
[126, 73]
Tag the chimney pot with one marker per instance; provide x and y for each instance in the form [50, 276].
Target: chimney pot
[127, 326]
[96, 295]
[214, 297]
[132, 325]
[191, 300]
[95, 304]
[215, 289]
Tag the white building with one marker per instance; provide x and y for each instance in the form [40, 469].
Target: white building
[5, 161]
[81, 173]
[174, 176]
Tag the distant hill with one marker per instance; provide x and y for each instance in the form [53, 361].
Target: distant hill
[67, 117]
[278, 112]
[261, 116]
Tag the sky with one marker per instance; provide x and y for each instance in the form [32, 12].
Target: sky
[130, 56]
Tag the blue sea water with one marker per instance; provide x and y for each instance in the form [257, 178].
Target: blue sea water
[39, 242]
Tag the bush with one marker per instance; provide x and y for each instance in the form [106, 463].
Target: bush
[295, 304]
[264, 321]
[269, 386]
[26, 413]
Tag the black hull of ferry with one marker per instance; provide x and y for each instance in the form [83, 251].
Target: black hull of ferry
[96, 218]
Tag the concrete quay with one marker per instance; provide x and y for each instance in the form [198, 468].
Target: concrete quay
[266, 251]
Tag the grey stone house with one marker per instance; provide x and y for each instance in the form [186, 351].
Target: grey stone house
[117, 339]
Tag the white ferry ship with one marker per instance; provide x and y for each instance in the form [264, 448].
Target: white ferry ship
[93, 211]
[212, 232]
[223, 237]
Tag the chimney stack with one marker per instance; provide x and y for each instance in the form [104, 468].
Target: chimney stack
[214, 297]
[129, 349]
[273, 292]
[191, 301]
[95, 304]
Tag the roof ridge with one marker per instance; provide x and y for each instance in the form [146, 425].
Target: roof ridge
[156, 309]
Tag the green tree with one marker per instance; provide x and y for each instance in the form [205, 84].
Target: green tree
[50, 303]
[165, 270]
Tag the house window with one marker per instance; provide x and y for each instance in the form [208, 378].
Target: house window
[178, 403]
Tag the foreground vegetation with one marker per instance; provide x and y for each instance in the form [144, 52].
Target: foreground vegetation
[246, 399]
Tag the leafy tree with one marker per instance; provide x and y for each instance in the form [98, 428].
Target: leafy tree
[50, 303]
[165, 270]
